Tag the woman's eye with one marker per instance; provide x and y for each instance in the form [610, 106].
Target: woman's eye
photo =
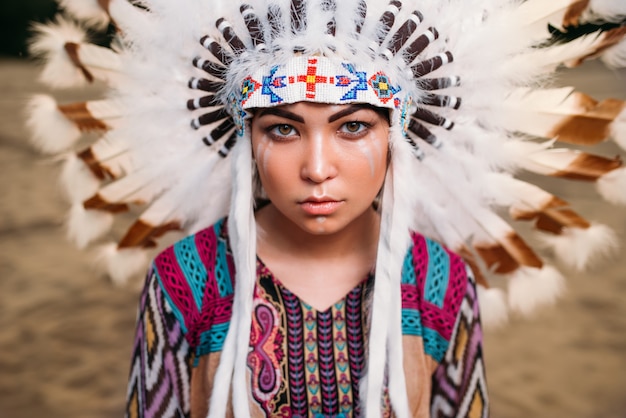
[354, 127]
[283, 130]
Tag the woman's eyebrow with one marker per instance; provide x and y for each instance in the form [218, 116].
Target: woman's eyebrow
[281, 113]
[348, 111]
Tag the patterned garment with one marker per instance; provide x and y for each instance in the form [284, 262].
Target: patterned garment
[302, 362]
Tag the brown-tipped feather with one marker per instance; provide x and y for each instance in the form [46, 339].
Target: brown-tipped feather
[588, 167]
[143, 235]
[552, 216]
[554, 220]
[98, 170]
[574, 12]
[97, 202]
[508, 254]
[71, 49]
[608, 39]
[80, 115]
[593, 125]
[527, 215]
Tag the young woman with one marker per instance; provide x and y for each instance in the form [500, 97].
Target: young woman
[321, 168]
[327, 151]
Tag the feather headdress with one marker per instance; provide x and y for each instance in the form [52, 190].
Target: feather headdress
[466, 82]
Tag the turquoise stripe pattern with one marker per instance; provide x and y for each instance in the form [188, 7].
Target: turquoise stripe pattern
[192, 267]
[222, 273]
[438, 274]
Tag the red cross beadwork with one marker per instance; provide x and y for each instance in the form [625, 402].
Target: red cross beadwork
[311, 78]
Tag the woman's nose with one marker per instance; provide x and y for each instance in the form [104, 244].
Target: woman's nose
[319, 159]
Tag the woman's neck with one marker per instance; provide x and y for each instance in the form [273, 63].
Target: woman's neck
[276, 234]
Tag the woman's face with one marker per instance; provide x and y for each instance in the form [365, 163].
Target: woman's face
[321, 165]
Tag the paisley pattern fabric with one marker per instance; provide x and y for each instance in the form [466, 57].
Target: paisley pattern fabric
[302, 362]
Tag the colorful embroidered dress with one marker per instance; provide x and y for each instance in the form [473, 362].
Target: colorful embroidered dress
[302, 362]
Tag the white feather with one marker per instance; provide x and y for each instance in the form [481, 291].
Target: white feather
[77, 181]
[493, 307]
[531, 288]
[122, 264]
[580, 247]
[88, 11]
[610, 10]
[615, 56]
[51, 131]
[618, 127]
[612, 186]
[85, 226]
[49, 42]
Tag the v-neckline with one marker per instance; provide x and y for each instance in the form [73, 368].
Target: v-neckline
[276, 282]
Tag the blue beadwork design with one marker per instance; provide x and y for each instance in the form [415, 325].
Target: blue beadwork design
[438, 274]
[270, 83]
[382, 87]
[359, 81]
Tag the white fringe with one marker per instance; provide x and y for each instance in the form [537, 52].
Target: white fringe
[579, 247]
[242, 235]
[530, 288]
[612, 186]
[615, 56]
[85, 226]
[494, 311]
[51, 131]
[399, 239]
[372, 381]
[122, 264]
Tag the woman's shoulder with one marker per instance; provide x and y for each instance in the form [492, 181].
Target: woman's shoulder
[197, 267]
[434, 268]
[434, 281]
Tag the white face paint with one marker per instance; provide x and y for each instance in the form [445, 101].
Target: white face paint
[373, 151]
[263, 154]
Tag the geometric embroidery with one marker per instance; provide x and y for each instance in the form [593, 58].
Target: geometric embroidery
[311, 78]
[459, 386]
[270, 83]
[249, 86]
[382, 87]
[313, 361]
[345, 81]
[316, 79]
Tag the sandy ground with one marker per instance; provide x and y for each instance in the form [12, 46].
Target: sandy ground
[66, 331]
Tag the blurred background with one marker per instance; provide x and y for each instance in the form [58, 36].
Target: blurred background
[66, 331]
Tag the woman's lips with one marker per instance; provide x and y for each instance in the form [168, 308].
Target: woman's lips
[321, 207]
